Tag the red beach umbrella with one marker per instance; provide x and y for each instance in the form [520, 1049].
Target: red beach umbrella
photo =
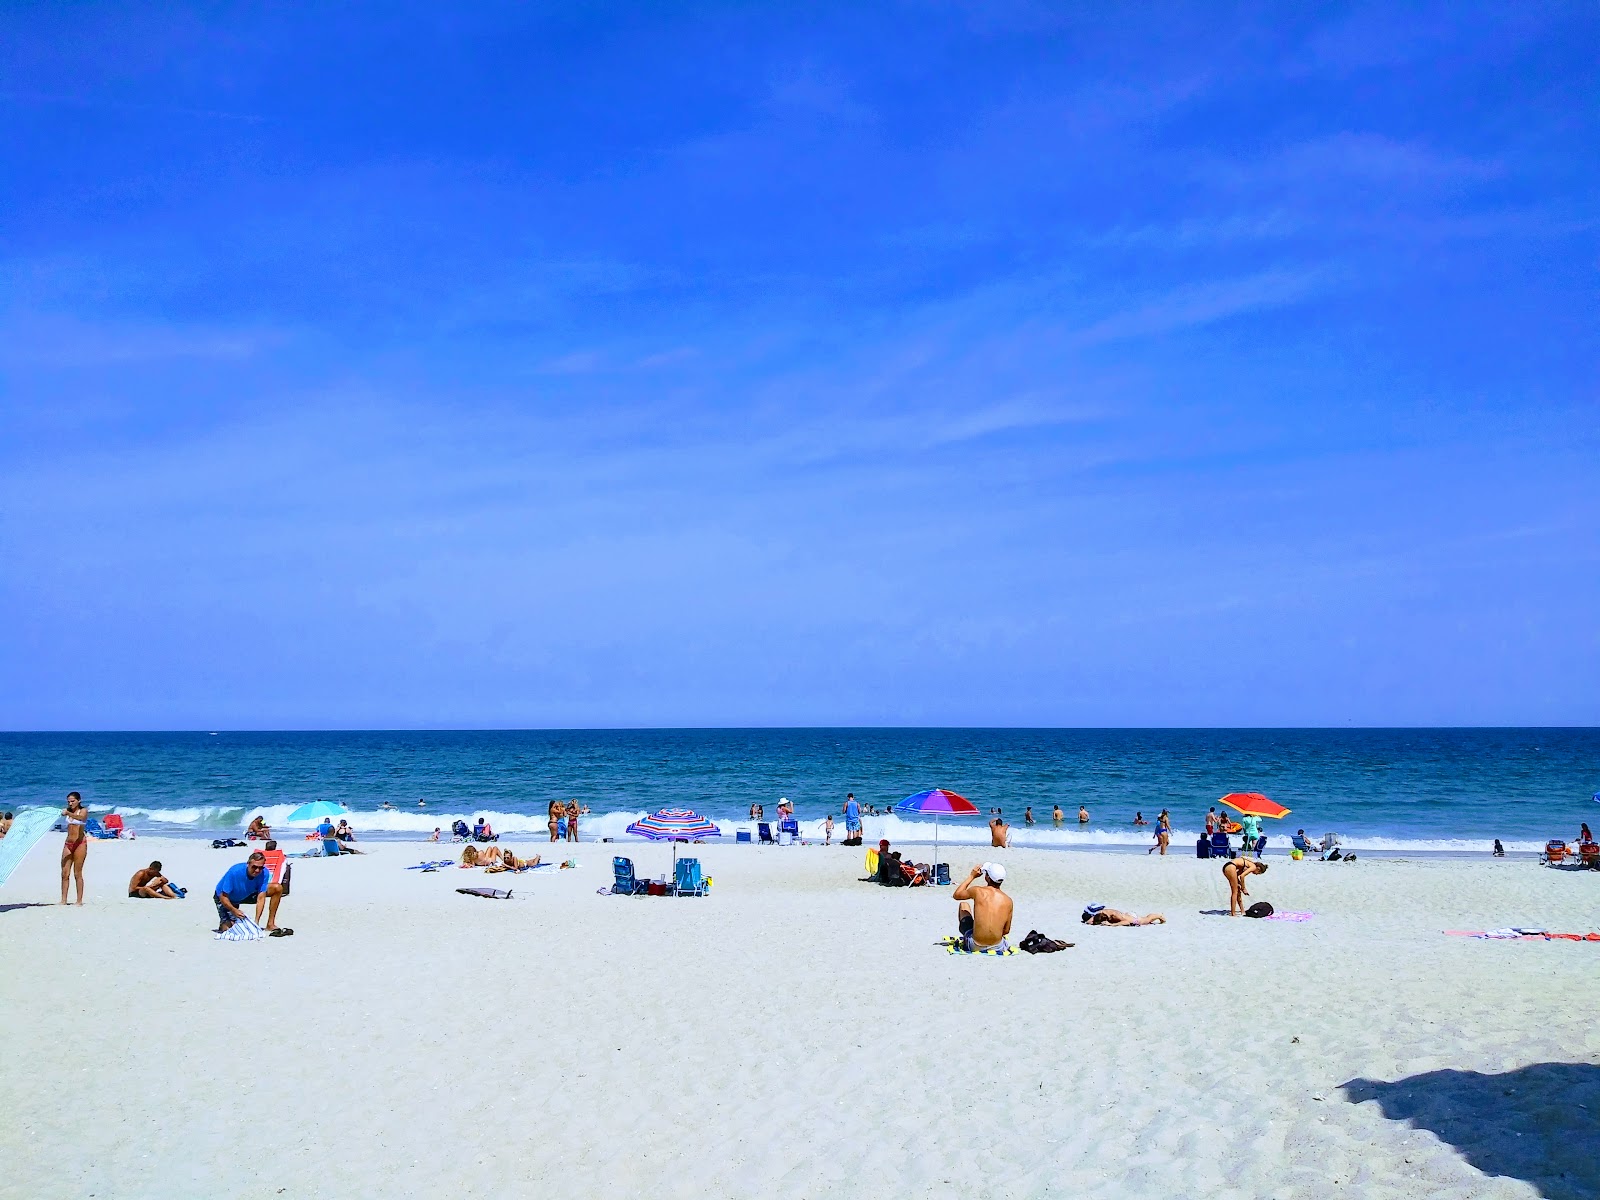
[1254, 804]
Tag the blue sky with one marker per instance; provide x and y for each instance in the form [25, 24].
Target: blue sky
[922, 363]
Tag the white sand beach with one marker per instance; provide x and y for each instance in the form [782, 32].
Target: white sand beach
[799, 1034]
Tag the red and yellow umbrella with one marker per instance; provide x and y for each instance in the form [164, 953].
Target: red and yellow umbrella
[1254, 804]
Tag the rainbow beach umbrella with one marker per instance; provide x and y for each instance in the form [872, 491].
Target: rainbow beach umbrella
[937, 802]
[674, 825]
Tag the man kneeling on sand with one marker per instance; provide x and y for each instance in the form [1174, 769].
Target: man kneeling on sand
[984, 917]
[148, 883]
[247, 883]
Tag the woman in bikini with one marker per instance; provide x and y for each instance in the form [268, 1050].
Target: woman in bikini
[510, 862]
[76, 848]
[474, 857]
[557, 814]
[1236, 871]
[572, 820]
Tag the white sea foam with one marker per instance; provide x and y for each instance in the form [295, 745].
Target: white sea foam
[614, 824]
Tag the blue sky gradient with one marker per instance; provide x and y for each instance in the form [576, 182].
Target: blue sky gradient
[934, 363]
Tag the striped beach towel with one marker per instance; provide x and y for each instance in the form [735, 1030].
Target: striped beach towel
[952, 945]
[242, 930]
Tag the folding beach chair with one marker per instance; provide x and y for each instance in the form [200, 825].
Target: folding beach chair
[742, 835]
[624, 883]
[96, 830]
[687, 878]
[1555, 852]
[764, 832]
[113, 824]
[330, 848]
[1220, 846]
[941, 874]
[1589, 855]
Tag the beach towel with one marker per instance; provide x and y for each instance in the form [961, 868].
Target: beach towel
[1290, 916]
[1522, 935]
[242, 930]
[26, 831]
[952, 945]
[486, 893]
[433, 866]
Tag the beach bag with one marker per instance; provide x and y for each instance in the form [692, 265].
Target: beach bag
[1259, 909]
[1202, 848]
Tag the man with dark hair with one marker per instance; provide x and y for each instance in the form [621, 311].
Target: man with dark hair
[148, 883]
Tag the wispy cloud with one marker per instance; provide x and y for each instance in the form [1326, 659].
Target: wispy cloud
[1193, 306]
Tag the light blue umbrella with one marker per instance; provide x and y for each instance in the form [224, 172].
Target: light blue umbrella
[316, 810]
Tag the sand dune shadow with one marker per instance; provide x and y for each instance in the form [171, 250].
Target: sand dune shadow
[1536, 1123]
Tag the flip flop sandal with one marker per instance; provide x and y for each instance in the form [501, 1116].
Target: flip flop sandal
[281, 933]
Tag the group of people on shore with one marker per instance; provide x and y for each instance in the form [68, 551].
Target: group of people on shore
[564, 819]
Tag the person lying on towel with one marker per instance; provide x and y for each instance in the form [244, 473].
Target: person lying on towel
[1099, 914]
[984, 916]
[509, 861]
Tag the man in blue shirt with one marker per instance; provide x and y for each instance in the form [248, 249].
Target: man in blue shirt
[248, 882]
[852, 820]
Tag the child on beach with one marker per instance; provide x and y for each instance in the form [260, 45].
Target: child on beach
[827, 831]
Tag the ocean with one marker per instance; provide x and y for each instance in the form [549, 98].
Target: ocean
[1440, 790]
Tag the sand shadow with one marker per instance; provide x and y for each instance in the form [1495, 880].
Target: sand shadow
[1535, 1123]
[5, 908]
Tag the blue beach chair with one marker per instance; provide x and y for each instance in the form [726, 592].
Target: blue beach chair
[764, 830]
[742, 836]
[330, 848]
[687, 878]
[623, 881]
[941, 874]
[1220, 846]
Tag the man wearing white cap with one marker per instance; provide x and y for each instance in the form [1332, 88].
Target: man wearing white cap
[984, 917]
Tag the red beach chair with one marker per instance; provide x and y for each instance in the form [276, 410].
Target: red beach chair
[113, 824]
[1555, 852]
[1589, 855]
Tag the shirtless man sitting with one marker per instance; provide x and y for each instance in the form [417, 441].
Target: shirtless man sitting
[984, 917]
[148, 883]
[999, 833]
[1099, 914]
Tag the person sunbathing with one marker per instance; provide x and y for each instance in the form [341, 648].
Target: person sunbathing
[473, 856]
[510, 862]
[1099, 914]
[148, 883]
[1236, 871]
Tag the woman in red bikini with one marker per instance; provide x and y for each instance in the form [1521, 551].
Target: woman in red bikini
[76, 848]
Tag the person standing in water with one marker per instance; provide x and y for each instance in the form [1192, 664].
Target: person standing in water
[1083, 815]
[76, 847]
[1055, 814]
[1027, 815]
